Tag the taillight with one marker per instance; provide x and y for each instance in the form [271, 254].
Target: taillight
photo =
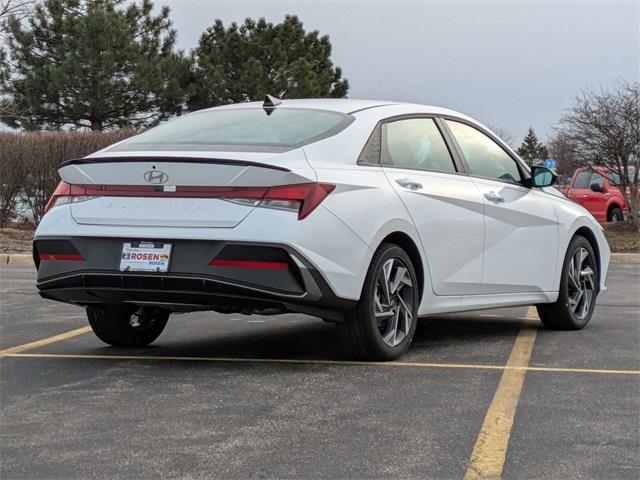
[62, 190]
[66, 193]
[303, 198]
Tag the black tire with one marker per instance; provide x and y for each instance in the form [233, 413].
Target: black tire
[561, 315]
[615, 215]
[112, 325]
[371, 338]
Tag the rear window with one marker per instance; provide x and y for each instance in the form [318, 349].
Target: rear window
[240, 129]
[614, 178]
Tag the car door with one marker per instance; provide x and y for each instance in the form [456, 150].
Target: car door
[445, 206]
[596, 201]
[521, 225]
[580, 191]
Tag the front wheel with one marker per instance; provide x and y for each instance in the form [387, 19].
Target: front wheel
[382, 325]
[578, 289]
[125, 326]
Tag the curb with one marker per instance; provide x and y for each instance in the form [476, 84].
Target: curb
[26, 259]
[625, 257]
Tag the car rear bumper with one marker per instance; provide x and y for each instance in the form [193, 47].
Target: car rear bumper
[86, 271]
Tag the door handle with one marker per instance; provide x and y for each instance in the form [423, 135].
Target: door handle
[408, 183]
[494, 197]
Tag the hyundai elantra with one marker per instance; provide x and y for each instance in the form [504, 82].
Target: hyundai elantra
[368, 214]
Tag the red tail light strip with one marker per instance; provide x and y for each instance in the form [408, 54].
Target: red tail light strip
[308, 195]
[249, 264]
[62, 257]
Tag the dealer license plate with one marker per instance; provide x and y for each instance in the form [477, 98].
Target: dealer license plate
[145, 257]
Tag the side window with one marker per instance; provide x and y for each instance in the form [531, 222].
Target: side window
[485, 158]
[370, 154]
[582, 180]
[614, 178]
[597, 179]
[417, 144]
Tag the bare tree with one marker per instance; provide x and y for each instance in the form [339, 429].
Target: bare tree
[12, 174]
[29, 160]
[561, 149]
[505, 135]
[604, 129]
[14, 8]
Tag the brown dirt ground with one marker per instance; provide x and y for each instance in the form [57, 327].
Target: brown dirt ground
[623, 237]
[15, 240]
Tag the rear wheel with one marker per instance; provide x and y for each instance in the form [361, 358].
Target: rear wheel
[615, 215]
[125, 326]
[578, 289]
[382, 325]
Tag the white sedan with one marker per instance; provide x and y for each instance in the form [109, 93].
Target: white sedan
[364, 213]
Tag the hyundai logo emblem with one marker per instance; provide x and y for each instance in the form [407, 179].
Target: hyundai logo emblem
[156, 177]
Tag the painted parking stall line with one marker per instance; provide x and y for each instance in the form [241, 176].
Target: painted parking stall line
[490, 449]
[302, 361]
[45, 341]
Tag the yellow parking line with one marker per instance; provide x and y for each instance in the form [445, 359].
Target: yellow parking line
[490, 449]
[581, 370]
[252, 360]
[45, 341]
[532, 312]
[303, 361]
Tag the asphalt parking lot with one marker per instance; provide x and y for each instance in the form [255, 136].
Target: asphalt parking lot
[482, 394]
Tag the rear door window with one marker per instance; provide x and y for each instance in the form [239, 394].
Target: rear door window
[416, 144]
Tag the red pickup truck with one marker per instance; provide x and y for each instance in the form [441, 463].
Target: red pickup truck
[596, 190]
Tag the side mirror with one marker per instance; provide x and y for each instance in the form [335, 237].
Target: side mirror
[596, 187]
[542, 176]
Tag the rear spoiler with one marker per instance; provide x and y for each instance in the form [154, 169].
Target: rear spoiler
[218, 161]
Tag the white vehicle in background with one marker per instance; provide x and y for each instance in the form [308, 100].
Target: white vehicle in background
[364, 213]
[22, 211]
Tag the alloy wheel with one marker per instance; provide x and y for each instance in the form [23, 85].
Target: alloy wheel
[581, 283]
[394, 302]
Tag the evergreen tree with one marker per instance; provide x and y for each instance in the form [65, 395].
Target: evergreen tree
[99, 64]
[532, 149]
[245, 62]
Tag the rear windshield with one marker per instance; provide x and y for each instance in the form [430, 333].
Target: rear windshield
[240, 129]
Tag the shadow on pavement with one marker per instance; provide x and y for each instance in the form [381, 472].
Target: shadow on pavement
[438, 337]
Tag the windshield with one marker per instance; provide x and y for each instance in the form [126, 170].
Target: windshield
[240, 129]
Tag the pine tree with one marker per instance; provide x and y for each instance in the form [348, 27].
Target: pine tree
[532, 149]
[96, 64]
[245, 62]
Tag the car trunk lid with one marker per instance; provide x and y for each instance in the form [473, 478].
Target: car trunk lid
[177, 191]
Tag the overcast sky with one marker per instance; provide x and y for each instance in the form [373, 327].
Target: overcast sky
[510, 64]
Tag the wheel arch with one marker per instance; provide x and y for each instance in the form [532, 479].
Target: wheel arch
[612, 205]
[405, 242]
[587, 233]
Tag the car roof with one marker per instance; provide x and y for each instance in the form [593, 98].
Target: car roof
[344, 105]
